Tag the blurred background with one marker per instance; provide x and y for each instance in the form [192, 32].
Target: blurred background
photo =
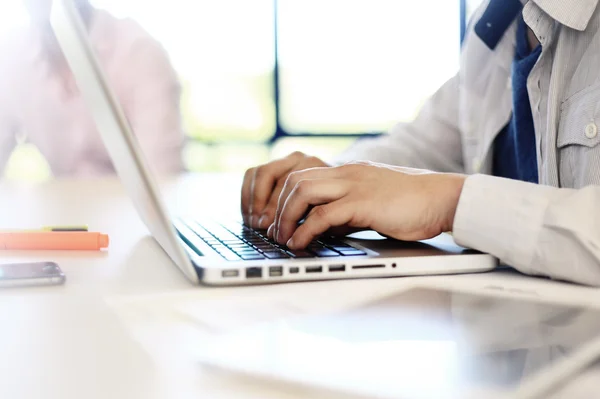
[262, 78]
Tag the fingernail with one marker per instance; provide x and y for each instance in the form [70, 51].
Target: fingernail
[251, 220]
[290, 243]
[262, 221]
[270, 230]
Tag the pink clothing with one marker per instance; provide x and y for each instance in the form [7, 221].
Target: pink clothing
[39, 105]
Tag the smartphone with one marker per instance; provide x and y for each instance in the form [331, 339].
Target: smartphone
[29, 274]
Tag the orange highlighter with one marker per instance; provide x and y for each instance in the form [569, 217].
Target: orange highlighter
[49, 240]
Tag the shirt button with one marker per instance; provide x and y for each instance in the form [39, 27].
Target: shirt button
[476, 165]
[591, 130]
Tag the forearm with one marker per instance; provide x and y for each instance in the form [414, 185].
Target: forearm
[537, 229]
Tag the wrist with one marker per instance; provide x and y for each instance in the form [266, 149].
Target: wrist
[452, 191]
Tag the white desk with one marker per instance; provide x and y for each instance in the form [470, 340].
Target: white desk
[67, 342]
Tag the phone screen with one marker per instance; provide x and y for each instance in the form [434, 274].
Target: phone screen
[16, 271]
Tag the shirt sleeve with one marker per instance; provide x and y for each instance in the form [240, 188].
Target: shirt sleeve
[538, 230]
[432, 141]
[152, 105]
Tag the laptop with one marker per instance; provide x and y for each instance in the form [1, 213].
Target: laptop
[227, 252]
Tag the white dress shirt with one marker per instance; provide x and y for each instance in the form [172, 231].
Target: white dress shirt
[38, 105]
[550, 229]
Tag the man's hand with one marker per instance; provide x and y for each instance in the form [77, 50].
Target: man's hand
[402, 203]
[263, 185]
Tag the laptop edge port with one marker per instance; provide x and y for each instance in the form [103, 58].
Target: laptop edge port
[230, 273]
[314, 269]
[275, 271]
[337, 268]
[380, 266]
[254, 272]
[294, 270]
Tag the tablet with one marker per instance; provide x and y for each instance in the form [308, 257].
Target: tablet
[419, 343]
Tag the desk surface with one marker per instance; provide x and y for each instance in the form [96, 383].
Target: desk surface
[69, 341]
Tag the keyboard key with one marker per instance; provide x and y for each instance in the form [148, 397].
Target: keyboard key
[265, 246]
[229, 243]
[352, 252]
[202, 233]
[247, 252]
[342, 248]
[324, 252]
[242, 250]
[255, 239]
[228, 255]
[196, 228]
[332, 242]
[300, 254]
[240, 246]
[252, 257]
[224, 238]
[224, 251]
[276, 255]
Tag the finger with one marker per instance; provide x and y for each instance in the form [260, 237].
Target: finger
[251, 203]
[246, 195]
[307, 193]
[321, 219]
[311, 174]
[270, 230]
[307, 174]
[267, 216]
[263, 183]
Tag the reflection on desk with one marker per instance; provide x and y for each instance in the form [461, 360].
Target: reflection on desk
[420, 343]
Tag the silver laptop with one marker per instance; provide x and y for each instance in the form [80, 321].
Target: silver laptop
[217, 253]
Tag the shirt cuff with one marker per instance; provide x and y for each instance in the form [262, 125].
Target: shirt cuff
[501, 217]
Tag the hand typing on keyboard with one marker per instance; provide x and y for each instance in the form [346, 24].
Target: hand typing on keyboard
[263, 184]
[403, 203]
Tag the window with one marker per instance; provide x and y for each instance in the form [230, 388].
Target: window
[361, 66]
[344, 68]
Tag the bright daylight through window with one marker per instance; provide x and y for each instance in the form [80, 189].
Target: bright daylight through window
[345, 66]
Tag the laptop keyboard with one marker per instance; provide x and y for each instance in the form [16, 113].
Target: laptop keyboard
[236, 242]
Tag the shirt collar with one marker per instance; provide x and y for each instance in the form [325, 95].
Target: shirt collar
[575, 14]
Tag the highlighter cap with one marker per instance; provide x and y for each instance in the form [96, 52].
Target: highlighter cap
[103, 241]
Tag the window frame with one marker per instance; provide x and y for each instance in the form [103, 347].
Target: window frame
[280, 132]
